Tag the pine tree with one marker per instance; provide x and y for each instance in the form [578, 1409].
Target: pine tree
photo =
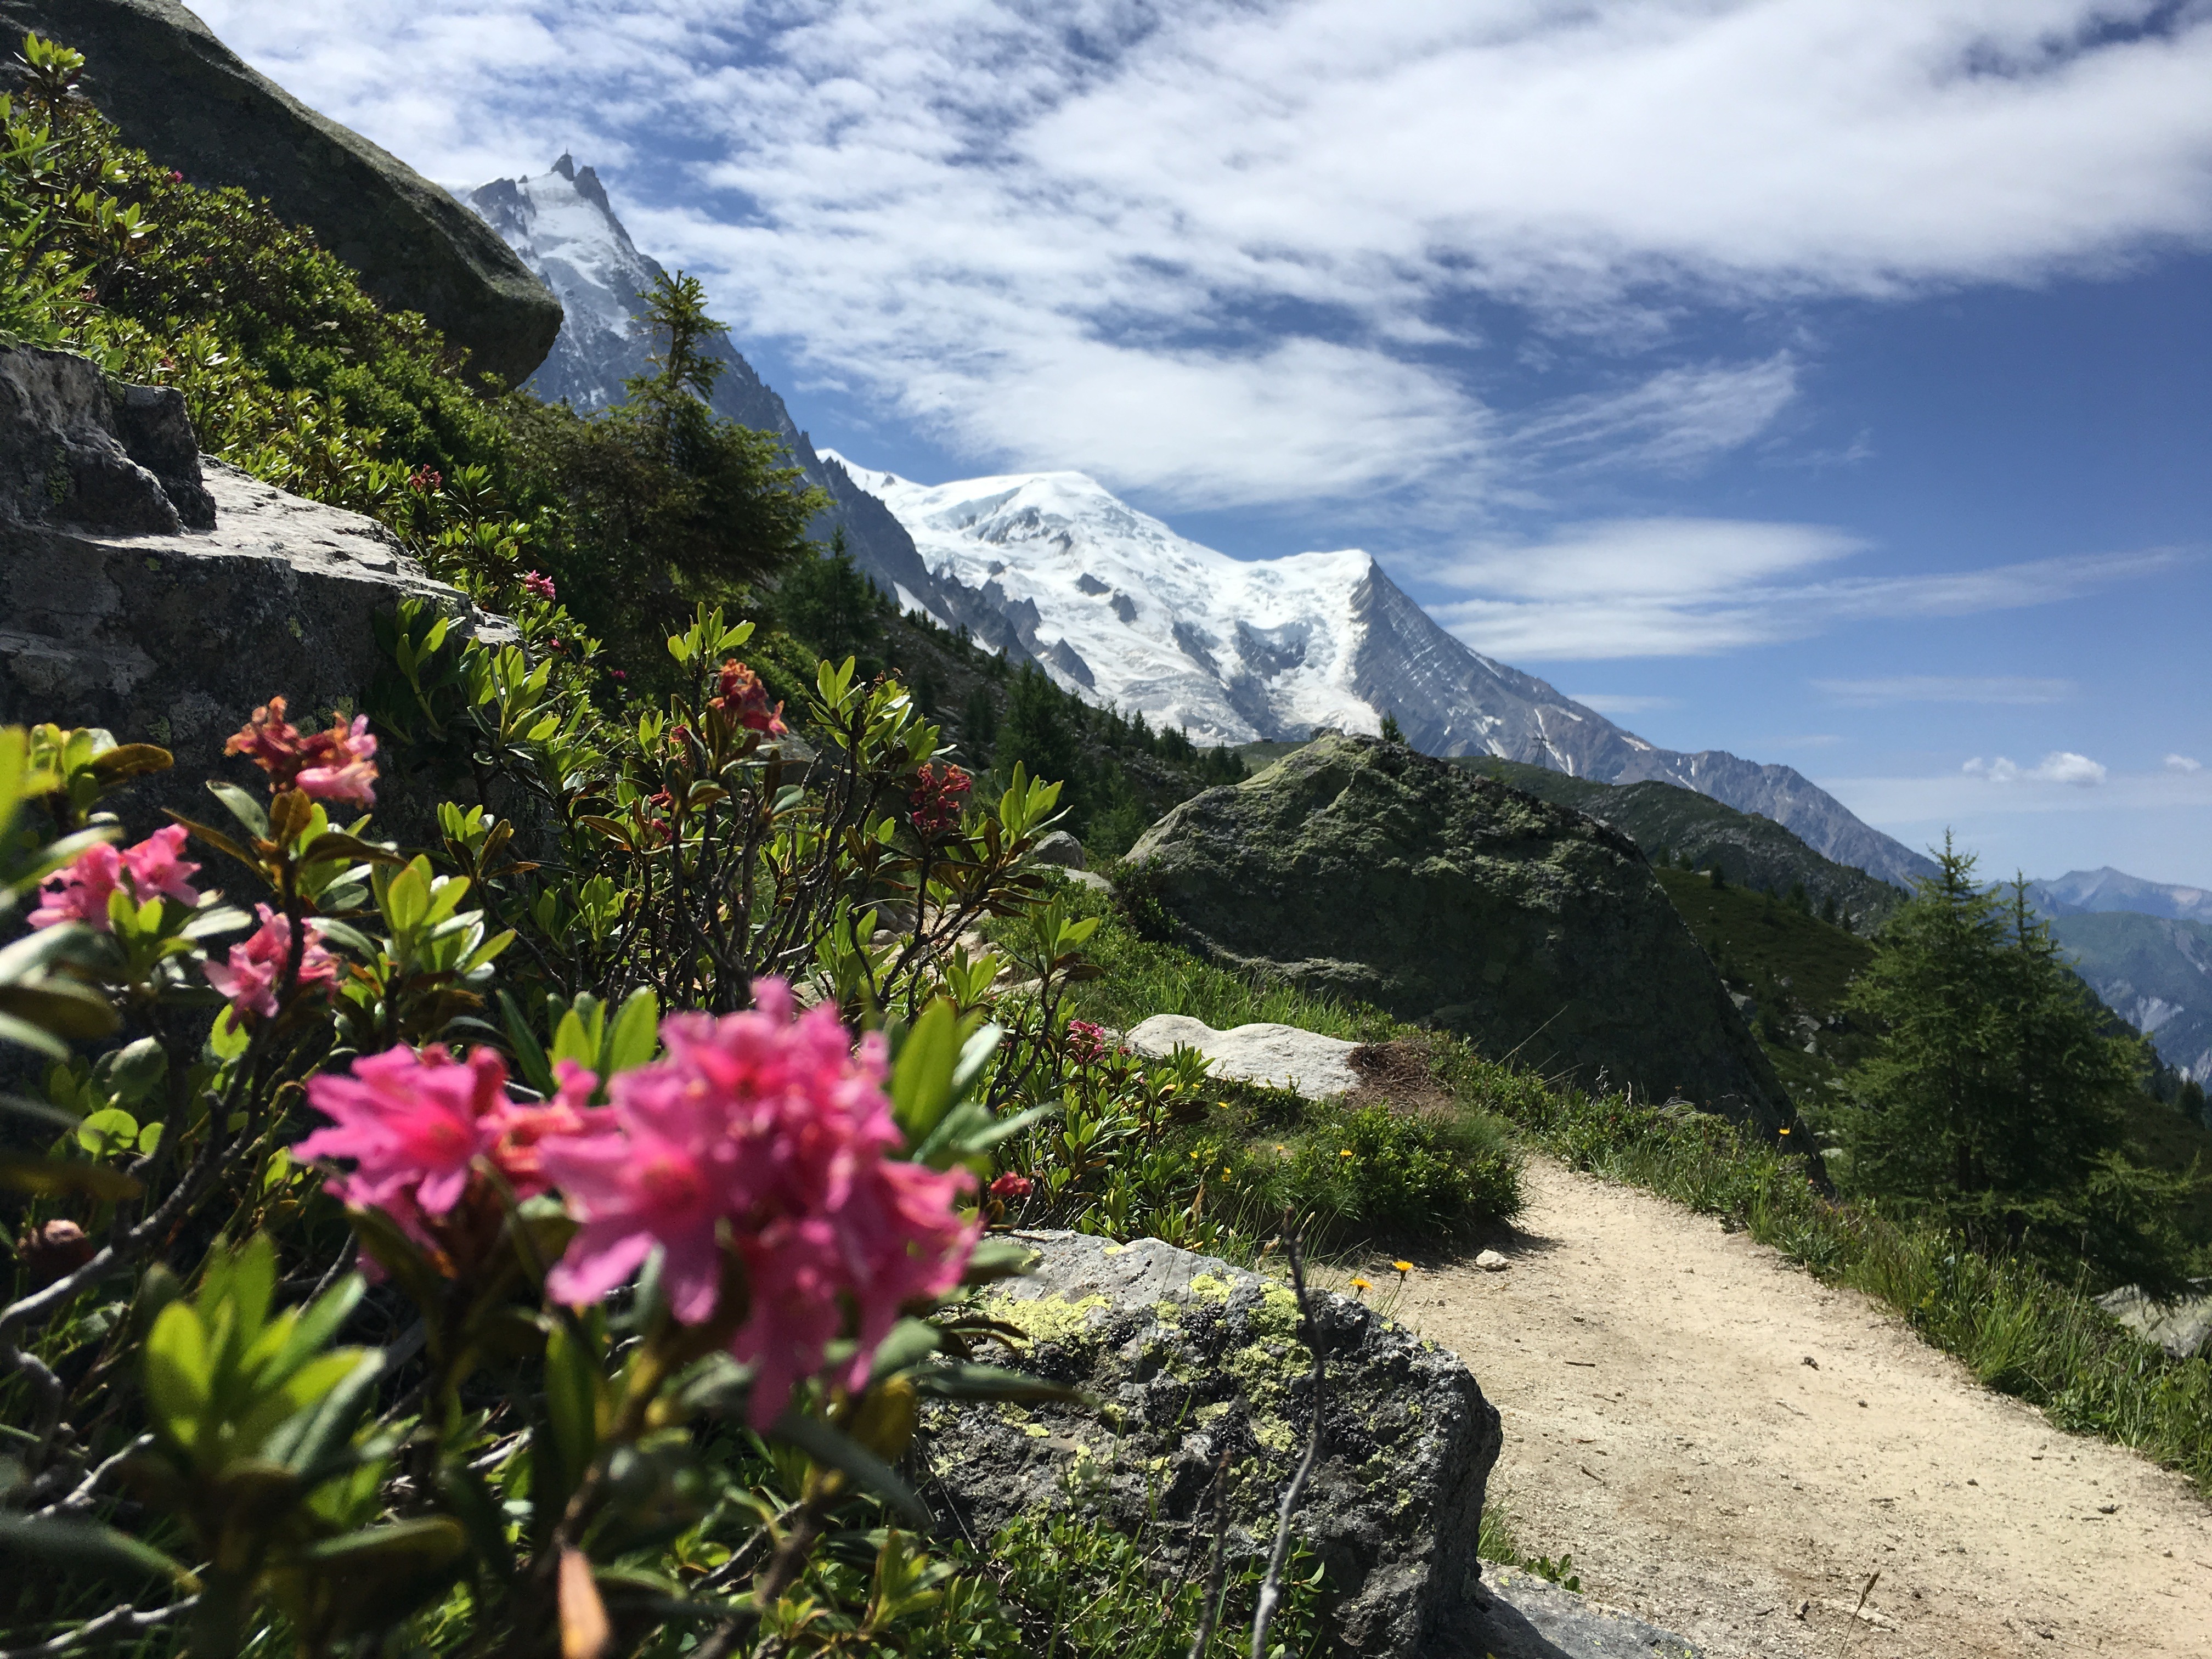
[1038, 734]
[1993, 1101]
[828, 604]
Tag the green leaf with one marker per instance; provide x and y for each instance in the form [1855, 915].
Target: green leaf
[59, 1008]
[407, 899]
[975, 1059]
[962, 1382]
[581, 1032]
[573, 1381]
[104, 1133]
[178, 1375]
[245, 808]
[50, 1177]
[840, 1451]
[88, 1546]
[908, 1343]
[995, 1258]
[529, 1053]
[635, 1035]
[921, 1079]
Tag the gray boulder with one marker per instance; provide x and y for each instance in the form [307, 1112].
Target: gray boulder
[1530, 1618]
[1061, 848]
[2182, 1327]
[1275, 1056]
[1189, 1359]
[164, 597]
[1364, 869]
[185, 99]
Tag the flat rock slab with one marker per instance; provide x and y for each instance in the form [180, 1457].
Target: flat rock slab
[1531, 1617]
[1188, 1359]
[1276, 1056]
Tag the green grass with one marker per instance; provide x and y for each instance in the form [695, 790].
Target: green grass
[2014, 1327]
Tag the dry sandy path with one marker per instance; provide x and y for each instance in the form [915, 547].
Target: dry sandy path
[1661, 1424]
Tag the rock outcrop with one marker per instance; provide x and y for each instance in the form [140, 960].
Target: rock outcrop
[1189, 1359]
[178, 93]
[163, 598]
[1364, 869]
[1275, 1056]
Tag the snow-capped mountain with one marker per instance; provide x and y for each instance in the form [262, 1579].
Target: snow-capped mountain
[562, 225]
[1118, 608]
[1115, 605]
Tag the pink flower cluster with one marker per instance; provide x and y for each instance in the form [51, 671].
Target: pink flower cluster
[425, 480]
[762, 1129]
[249, 980]
[537, 586]
[940, 793]
[743, 700]
[79, 891]
[339, 764]
[415, 1126]
[773, 1128]
[1086, 1043]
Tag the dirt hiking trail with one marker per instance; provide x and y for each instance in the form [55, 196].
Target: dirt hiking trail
[1662, 1426]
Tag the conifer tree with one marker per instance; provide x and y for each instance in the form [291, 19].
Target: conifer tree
[1993, 1101]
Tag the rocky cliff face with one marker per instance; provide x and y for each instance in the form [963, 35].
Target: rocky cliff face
[181, 95]
[1366, 869]
[162, 597]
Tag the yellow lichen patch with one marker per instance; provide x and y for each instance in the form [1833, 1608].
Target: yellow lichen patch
[1212, 1286]
[1047, 1318]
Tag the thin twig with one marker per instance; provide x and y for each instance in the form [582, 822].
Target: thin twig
[1212, 1611]
[116, 1625]
[1271, 1587]
[82, 1498]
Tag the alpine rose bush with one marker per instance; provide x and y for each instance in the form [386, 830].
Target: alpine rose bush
[777, 1128]
[79, 891]
[938, 796]
[248, 981]
[742, 699]
[339, 764]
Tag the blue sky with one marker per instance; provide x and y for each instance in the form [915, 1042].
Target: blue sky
[1826, 380]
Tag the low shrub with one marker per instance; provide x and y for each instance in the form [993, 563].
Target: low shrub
[1376, 1170]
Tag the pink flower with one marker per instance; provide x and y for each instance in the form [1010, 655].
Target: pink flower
[773, 1129]
[939, 794]
[339, 764]
[742, 697]
[250, 979]
[79, 892]
[414, 1125]
[1086, 1042]
[1011, 1185]
[539, 586]
[522, 1129]
[154, 866]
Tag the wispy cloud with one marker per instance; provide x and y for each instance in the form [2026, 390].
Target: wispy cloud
[1930, 687]
[1210, 249]
[1914, 807]
[2183, 764]
[2059, 766]
[1662, 587]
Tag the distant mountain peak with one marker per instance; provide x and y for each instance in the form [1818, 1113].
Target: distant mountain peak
[1118, 608]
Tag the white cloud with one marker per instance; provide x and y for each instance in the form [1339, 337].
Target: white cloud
[2059, 766]
[1914, 808]
[1181, 246]
[1929, 688]
[2183, 764]
[1659, 587]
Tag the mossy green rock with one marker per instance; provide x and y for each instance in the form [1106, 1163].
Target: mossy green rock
[1362, 868]
[1188, 1359]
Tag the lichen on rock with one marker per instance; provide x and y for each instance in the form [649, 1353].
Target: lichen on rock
[1186, 1360]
